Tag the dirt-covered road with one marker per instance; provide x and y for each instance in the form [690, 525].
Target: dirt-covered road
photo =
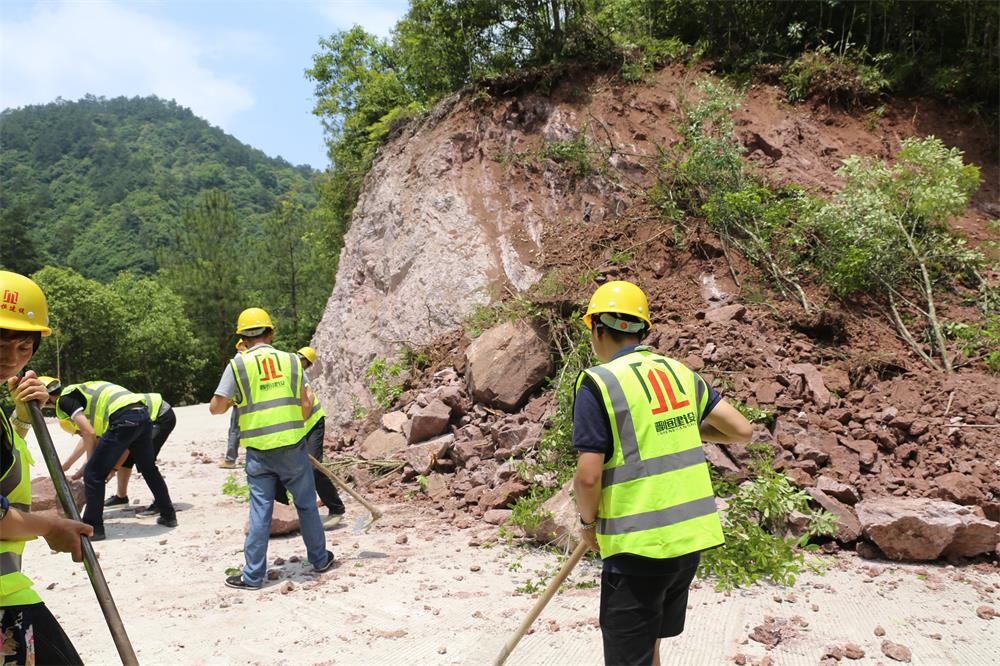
[414, 590]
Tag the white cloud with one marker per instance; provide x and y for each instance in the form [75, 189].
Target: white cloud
[73, 48]
[378, 18]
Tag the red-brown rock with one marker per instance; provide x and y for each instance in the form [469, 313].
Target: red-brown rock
[284, 520]
[839, 491]
[896, 652]
[814, 382]
[926, 529]
[725, 313]
[429, 421]
[848, 526]
[381, 444]
[504, 495]
[43, 494]
[959, 488]
[506, 363]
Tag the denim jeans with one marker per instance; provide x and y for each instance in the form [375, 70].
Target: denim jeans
[233, 445]
[290, 465]
[324, 487]
[128, 430]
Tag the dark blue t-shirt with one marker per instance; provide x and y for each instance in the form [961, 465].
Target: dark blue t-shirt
[592, 434]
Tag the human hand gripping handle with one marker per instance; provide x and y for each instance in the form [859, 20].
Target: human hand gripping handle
[61, 538]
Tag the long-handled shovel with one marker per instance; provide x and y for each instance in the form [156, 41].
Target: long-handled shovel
[536, 610]
[360, 525]
[94, 571]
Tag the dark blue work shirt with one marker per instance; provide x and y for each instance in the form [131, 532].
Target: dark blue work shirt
[592, 434]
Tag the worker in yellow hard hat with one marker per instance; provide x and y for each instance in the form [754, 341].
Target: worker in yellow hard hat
[29, 632]
[273, 399]
[642, 485]
[315, 432]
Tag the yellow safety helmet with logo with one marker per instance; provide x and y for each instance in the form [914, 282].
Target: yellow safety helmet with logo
[309, 354]
[22, 304]
[52, 384]
[253, 320]
[618, 297]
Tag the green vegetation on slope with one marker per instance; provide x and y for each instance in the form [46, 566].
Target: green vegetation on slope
[99, 185]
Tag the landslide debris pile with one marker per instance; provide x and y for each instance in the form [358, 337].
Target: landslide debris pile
[905, 458]
[907, 463]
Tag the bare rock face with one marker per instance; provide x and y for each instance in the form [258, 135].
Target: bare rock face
[560, 523]
[44, 498]
[926, 529]
[429, 421]
[284, 520]
[506, 363]
[382, 444]
[434, 228]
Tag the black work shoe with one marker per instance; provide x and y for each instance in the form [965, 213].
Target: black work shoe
[167, 521]
[329, 563]
[98, 534]
[114, 500]
[150, 510]
[240, 584]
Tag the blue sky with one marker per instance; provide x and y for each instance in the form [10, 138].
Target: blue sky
[237, 63]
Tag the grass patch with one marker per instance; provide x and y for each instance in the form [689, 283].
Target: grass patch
[238, 491]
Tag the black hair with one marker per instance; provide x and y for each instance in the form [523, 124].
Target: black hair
[621, 336]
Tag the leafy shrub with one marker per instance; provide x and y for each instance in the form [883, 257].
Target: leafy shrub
[756, 547]
[576, 156]
[840, 79]
[885, 232]
[232, 487]
[384, 382]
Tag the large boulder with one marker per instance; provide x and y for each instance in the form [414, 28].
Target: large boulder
[429, 421]
[284, 520]
[560, 523]
[381, 444]
[44, 498]
[506, 363]
[505, 494]
[925, 529]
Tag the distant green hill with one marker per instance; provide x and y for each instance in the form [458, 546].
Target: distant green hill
[98, 184]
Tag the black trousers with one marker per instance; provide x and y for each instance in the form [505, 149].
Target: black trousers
[33, 636]
[637, 610]
[128, 429]
[162, 427]
[325, 489]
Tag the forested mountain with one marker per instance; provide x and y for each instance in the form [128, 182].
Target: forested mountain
[100, 185]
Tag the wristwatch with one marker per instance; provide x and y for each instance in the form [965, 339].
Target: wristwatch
[584, 524]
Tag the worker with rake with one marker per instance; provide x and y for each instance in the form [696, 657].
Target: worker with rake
[642, 484]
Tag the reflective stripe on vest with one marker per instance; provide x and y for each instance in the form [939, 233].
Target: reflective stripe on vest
[15, 587]
[153, 402]
[269, 405]
[102, 400]
[657, 499]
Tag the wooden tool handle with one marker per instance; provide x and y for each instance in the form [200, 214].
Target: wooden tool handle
[323, 469]
[536, 610]
[97, 580]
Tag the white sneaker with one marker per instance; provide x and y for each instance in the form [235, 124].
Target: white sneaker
[332, 520]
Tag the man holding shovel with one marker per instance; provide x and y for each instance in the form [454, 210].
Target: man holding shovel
[29, 633]
[642, 484]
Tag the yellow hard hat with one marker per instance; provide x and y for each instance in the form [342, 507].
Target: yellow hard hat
[22, 304]
[252, 319]
[52, 384]
[309, 354]
[68, 426]
[618, 297]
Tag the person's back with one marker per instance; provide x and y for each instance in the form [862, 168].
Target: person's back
[642, 484]
[271, 397]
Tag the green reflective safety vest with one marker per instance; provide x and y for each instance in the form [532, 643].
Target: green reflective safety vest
[268, 401]
[154, 402]
[315, 415]
[15, 483]
[103, 399]
[657, 499]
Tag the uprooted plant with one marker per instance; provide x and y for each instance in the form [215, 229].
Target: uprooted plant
[754, 522]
